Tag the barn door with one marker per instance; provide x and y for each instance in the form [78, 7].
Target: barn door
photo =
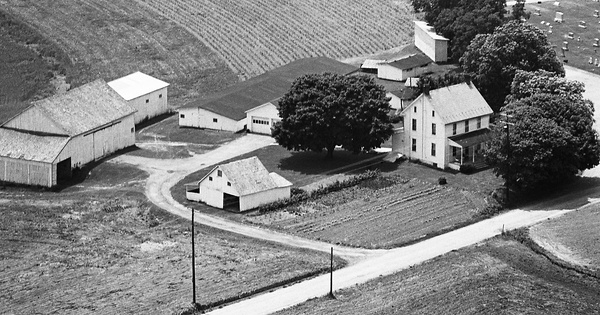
[63, 171]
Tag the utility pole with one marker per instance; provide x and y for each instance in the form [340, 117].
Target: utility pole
[507, 125]
[193, 265]
[331, 276]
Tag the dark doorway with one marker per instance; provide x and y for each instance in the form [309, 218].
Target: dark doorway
[63, 171]
[231, 202]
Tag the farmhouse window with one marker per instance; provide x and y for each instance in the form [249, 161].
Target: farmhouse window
[432, 113]
[478, 122]
[414, 145]
[433, 129]
[181, 116]
[414, 125]
[228, 183]
[132, 129]
[210, 178]
[147, 101]
[467, 125]
[454, 128]
[219, 173]
[415, 109]
[159, 95]
[215, 120]
[433, 149]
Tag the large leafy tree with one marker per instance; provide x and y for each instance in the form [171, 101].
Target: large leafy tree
[493, 59]
[551, 139]
[461, 20]
[540, 151]
[321, 111]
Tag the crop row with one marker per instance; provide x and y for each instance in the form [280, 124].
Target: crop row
[254, 36]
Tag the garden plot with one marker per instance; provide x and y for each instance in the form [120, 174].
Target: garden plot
[384, 212]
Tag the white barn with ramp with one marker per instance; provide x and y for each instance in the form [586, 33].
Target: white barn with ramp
[240, 185]
[42, 144]
[147, 94]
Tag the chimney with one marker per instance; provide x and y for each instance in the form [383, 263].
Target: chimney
[467, 79]
[426, 89]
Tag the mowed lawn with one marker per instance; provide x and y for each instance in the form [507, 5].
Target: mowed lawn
[96, 250]
[581, 45]
[500, 276]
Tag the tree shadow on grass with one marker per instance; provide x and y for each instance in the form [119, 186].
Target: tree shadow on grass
[312, 163]
[569, 195]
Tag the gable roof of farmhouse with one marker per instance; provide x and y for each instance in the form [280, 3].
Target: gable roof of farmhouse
[84, 108]
[136, 84]
[456, 102]
[32, 147]
[249, 176]
[235, 101]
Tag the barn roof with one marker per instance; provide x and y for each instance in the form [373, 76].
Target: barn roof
[430, 30]
[249, 176]
[136, 84]
[456, 102]
[412, 61]
[235, 101]
[85, 108]
[30, 146]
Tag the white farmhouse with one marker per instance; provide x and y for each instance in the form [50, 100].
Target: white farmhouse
[148, 95]
[404, 68]
[241, 185]
[41, 145]
[252, 104]
[446, 127]
[430, 43]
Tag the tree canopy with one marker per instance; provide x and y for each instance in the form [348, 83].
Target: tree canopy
[461, 20]
[541, 100]
[321, 111]
[493, 59]
[433, 82]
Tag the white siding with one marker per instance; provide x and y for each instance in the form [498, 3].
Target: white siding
[268, 113]
[27, 172]
[201, 118]
[388, 72]
[33, 119]
[213, 187]
[255, 200]
[156, 105]
[431, 44]
[395, 101]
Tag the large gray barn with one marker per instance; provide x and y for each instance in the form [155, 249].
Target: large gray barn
[41, 145]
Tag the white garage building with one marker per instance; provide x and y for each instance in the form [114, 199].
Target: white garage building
[240, 186]
[251, 104]
[148, 95]
[41, 145]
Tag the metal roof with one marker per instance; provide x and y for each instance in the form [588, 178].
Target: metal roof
[249, 176]
[30, 146]
[136, 84]
[235, 101]
[472, 138]
[456, 102]
[411, 61]
[371, 64]
[85, 108]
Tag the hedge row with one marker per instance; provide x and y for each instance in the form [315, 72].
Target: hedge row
[299, 195]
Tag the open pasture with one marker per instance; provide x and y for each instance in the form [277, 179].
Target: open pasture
[384, 212]
[581, 43]
[110, 252]
[254, 36]
[109, 39]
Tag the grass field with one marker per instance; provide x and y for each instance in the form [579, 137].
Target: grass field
[109, 39]
[573, 238]
[254, 36]
[580, 51]
[99, 247]
[500, 276]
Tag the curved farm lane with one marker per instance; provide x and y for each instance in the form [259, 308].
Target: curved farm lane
[164, 174]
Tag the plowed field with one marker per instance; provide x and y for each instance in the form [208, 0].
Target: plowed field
[387, 212]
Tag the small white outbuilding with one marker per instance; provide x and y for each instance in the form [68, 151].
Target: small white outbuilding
[240, 185]
[147, 94]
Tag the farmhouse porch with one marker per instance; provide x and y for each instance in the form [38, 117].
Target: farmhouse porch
[467, 149]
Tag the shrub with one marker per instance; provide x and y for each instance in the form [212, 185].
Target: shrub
[467, 169]
[442, 181]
